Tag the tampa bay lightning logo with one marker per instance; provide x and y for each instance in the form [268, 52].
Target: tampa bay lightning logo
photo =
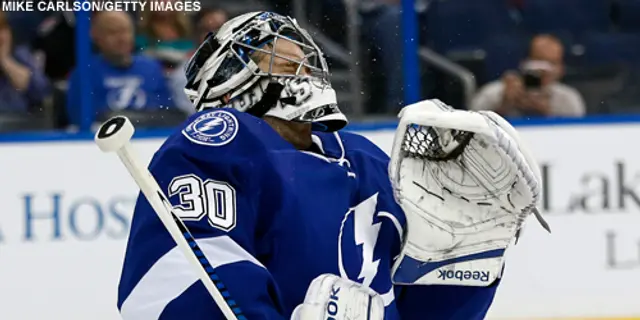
[358, 257]
[215, 128]
[365, 231]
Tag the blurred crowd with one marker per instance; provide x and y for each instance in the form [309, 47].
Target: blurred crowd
[528, 58]
[135, 65]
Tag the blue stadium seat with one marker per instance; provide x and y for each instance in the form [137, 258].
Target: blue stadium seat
[611, 48]
[576, 16]
[464, 24]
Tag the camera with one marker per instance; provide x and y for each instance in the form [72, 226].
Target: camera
[532, 80]
[532, 72]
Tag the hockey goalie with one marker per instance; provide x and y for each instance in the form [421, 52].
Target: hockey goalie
[301, 220]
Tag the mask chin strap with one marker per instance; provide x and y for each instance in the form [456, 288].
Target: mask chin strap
[268, 101]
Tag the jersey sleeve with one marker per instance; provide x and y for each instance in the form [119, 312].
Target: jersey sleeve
[221, 204]
[445, 302]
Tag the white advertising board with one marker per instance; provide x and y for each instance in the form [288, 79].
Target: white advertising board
[67, 207]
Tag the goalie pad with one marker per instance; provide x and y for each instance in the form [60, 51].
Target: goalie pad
[466, 183]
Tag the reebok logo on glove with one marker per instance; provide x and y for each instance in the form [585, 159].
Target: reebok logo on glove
[332, 306]
[463, 275]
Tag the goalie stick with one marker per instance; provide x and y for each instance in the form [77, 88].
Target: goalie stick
[114, 136]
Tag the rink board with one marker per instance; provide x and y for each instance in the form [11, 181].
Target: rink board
[67, 208]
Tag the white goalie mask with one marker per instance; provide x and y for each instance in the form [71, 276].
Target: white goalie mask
[223, 73]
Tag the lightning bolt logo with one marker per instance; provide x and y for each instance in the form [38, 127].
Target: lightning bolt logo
[211, 124]
[365, 234]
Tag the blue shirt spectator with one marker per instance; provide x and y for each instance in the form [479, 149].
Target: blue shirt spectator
[22, 83]
[141, 85]
[119, 80]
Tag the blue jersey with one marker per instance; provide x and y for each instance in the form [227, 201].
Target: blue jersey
[271, 218]
[141, 85]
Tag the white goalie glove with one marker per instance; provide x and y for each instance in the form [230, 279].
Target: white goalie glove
[466, 184]
[331, 297]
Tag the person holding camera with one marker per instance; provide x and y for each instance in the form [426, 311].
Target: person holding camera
[535, 90]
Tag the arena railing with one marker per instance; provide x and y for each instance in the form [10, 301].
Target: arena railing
[466, 77]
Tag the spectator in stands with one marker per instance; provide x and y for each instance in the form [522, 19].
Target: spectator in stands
[54, 40]
[119, 79]
[165, 35]
[208, 20]
[535, 90]
[22, 83]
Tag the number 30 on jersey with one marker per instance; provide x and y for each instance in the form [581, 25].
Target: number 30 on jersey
[214, 199]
